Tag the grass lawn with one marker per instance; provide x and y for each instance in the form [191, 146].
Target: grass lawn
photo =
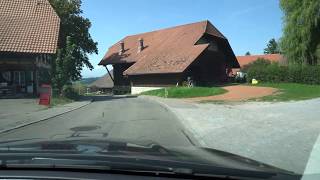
[292, 91]
[60, 101]
[185, 92]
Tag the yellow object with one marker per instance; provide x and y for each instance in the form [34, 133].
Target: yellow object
[254, 81]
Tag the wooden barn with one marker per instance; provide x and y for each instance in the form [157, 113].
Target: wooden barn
[29, 33]
[171, 56]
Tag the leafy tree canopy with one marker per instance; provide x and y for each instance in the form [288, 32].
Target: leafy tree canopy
[301, 39]
[75, 42]
[248, 53]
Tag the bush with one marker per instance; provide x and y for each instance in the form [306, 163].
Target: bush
[259, 63]
[69, 92]
[80, 88]
[274, 73]
[294, 73]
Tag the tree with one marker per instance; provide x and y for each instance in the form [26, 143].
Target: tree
[301, 37]
[272, 47]
[75, 43]
[248, 53]
[64, 65]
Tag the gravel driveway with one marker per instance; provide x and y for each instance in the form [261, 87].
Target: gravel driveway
[238, 93]
[280, 134]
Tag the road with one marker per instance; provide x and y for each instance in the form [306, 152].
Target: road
[130, 119]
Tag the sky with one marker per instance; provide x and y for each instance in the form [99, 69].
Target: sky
[248, 24]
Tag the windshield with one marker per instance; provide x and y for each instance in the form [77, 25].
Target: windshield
[210, 84]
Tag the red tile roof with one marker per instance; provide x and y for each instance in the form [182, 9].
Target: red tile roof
[244, 60]
[169, 50]
[28, 26]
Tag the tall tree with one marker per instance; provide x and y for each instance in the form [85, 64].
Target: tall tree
[75, 42]
[301, 37]
[248, 53]
[272, 47]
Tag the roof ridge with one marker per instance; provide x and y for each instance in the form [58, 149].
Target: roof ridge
[259, 55]
[168, 28]
[206, 27]
[209, 24]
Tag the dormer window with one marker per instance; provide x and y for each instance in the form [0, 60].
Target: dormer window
[213, 46]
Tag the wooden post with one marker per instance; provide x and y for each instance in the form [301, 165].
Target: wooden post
[34, 83]
[25, 82]
[109, 73]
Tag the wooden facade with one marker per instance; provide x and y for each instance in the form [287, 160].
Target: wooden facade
[209, 69]
[156, 80]
[29, 37]
[23, 73]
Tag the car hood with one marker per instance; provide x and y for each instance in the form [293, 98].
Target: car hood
[137, 149]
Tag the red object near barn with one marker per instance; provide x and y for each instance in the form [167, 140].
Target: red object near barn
[45, 95]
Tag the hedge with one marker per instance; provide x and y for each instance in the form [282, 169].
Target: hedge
[265, 71]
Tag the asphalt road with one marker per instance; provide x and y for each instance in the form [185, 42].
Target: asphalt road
[129, 119]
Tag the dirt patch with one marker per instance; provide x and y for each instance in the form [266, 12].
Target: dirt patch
[238, 93]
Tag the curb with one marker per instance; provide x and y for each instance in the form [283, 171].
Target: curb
[44, 119]
[189, 135]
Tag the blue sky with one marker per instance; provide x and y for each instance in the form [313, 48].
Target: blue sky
[248, 24]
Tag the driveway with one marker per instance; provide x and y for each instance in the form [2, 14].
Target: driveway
[238, 93]
[280, 134]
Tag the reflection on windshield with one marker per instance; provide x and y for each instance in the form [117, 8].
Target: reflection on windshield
[186, 86]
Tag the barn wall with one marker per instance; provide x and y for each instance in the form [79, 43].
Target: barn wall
[138, 90]
[155, 80]
[208, 69]
[24, 72]
[119, 78]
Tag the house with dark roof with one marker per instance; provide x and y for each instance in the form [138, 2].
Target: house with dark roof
[29, 32]
[171, 56]
[104, 84]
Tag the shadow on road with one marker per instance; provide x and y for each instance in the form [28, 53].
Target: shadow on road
[105, 98]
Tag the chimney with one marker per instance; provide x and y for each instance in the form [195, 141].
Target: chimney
[121, 51]
[141, 46]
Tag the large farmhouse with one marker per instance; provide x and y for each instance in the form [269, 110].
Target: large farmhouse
[171, 56]
[29, 31]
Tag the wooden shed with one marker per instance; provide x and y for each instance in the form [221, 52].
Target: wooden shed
[29, 32]
[169, 57]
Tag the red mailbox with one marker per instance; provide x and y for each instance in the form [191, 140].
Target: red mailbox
[45, 95]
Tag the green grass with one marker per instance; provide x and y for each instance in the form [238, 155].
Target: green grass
[185, 92]
[55, 101]
[291, 91]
